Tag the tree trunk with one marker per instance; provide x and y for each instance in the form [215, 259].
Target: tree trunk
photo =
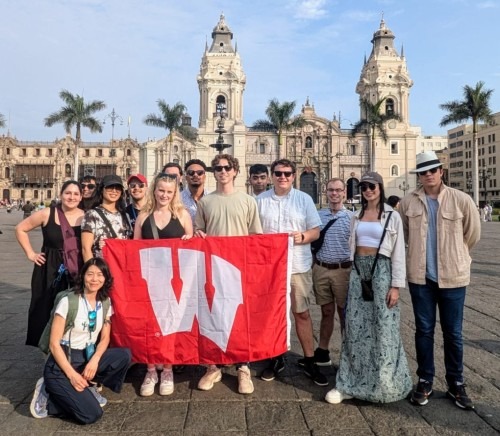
[372, 149]
[77, 145]
[475, 165]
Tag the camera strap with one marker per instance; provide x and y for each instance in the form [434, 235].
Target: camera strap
[378, 249]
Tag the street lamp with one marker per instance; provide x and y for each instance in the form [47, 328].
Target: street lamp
[219, 144]
[404, 187]
[113, 116]
[24, 179]
[485, 174]
[41, 183]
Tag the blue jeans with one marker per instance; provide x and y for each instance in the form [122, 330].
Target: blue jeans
[450, 302]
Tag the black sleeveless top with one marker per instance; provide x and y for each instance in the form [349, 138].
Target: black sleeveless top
[173, 229]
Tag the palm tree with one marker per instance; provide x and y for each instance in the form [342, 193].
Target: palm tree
[374, 121]
[280, 119]
[474, 106]
[170, 119]
[2, 121]
[76, 113]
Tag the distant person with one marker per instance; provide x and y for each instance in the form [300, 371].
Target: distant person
[393, 201]
[89, 185]
[258, 178]
[196, 174]
[27, 209]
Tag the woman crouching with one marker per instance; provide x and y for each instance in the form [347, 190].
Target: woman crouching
[76, 360]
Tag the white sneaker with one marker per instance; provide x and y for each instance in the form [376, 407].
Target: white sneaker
[336, 397]
[100, 399]
[38, 406]
[213, 375]
[166, 382]
[148, 385]
[245, 384]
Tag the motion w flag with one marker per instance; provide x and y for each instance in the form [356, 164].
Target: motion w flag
[215, 300]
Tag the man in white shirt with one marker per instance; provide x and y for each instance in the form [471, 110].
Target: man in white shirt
[195, 170]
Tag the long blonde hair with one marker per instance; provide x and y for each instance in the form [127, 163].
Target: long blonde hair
[175, 206]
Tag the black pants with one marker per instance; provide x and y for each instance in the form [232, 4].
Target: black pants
[65, 400]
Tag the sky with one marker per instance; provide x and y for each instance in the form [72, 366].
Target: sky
[130, 53]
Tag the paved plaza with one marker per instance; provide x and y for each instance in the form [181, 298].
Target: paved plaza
[291, 405]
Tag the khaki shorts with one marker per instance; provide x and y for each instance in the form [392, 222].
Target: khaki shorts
[301, 286]
[331, 285]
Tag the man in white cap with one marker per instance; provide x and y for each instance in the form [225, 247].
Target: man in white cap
[441, 226]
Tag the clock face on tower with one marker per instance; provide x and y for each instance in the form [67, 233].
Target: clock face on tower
[392, 124]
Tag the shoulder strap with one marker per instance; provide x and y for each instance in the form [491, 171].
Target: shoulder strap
[66, 229]
[329, 224]
[105, 307]
[154, 229]
[106, 221]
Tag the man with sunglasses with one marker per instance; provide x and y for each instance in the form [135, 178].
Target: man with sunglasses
[285, 209]
[137, 188]
[88, 184]
[174, 169]
[195, 179]
[226, 212]
[441, 226]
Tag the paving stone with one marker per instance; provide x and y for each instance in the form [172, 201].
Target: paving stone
[154, 416]
[273, 416]
[215, 416]
[323, 417]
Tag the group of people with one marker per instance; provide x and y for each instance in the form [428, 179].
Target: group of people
[357, 271]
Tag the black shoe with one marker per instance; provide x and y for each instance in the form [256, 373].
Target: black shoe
[178, 369]
[456, 393]
[321, 358]
[421, 393]
[277, 365]
[313, 372]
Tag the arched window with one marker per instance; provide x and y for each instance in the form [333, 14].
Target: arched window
[389, 106]
[352, 149]
[127, 171]
[7, 172]
[220, 105]
[394, 171]
[309, 142]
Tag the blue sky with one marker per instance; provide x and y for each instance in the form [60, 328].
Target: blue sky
[129, 53]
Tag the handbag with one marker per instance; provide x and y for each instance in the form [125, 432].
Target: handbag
[72, 246]
[366, 285]
[318, 243]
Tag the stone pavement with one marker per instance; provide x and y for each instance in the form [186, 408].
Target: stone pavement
[290, 405]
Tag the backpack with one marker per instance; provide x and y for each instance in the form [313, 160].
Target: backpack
[73, 300]
[72, 256]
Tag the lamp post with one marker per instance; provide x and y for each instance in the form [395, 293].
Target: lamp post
[41, 184]
[404, 187]
[24, 179]
[113, 116]
[485, 174]
[219, 144]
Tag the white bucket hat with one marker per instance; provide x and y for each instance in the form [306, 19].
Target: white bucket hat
[426, 161]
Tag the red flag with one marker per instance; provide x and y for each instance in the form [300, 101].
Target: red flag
[215, 300]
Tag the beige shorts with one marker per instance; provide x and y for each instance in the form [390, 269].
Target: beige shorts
[301, 286]
[331, 285]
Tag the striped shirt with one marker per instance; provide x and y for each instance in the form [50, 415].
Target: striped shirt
[335, 247]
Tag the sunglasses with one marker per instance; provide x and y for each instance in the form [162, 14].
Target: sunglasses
[370, 186]
[92, 320]
[114, 188]
[166, 176]
[432, 171]
[283, 173]
[219, 168]
[191, 173]
[89, 186]
[136, 185]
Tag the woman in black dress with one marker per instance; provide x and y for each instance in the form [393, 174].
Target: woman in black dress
[48, 277]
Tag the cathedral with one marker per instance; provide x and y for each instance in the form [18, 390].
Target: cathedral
[320, 148]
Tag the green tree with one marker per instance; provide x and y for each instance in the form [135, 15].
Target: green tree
[2, 121]
[373, 120]
[76, 112]
[475, 106]
[280, 119]
[170, 118]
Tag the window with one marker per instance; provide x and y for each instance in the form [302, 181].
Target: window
[352, 148]
[129, 152]
[35, 194]
[112, 152]
[128, 172]
[389, 106]
[394, 147]
[87, 152]
[68, 152]
[49, 193]
[37, 152]
[7, 172]
[99, 152]
[67, 170]
[309, 143]
[50, 152]
[394, 171]
[262, 148]
[23, 152]
[493, 137]
[7, 151]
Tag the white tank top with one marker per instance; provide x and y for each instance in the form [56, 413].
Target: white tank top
[368, 234]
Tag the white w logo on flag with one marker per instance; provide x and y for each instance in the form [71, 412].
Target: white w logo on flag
[173, 316]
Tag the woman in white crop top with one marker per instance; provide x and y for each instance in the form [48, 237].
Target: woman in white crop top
[373, 364]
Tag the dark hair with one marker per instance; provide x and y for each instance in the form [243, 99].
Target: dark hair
[380, 205]
[173, 165]
[100, 263]
[194, 162]
[70, 182]
[285, 163]
[393, 200]
[120, 203]
[231, 160]
[258, 169]
[88, 178]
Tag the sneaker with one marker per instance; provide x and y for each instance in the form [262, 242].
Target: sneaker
[100, 399]
[277, 365]
[457, 394]
[178, 369]
[420, 395]
[166, 382]
[321, 358]
[38, 406]
[336, 397]
[245, 384]
[148, 385]
[213, 375]
[313, 372]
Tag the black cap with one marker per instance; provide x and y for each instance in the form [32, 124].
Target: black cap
[111, 180]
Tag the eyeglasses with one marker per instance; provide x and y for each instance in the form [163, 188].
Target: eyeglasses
[136, 185]
[337, 191]
[166, 176]
[114, 188]
[283, 173]
[89, 186]
[370, 186]
[219, 168]
[432, 171]
[92, 320]
[191, 173]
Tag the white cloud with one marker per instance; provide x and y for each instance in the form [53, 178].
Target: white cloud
[311, 9]
[487, 5]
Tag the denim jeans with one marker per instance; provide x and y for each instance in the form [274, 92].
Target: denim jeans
[450, 302]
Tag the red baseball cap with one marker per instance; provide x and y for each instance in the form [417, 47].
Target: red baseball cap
[139, 177]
